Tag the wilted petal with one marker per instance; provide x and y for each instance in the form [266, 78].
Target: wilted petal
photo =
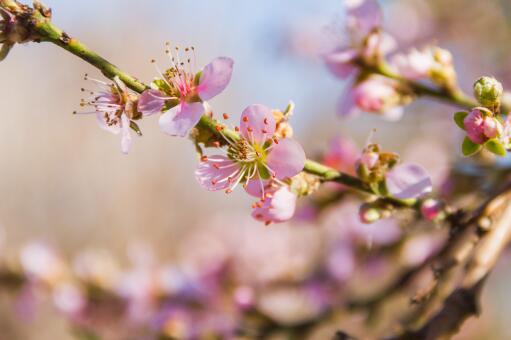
[408, 181]
[215, 77]
[279, 207]
[286, 159]
[150, 102]
[213, 174]
[181, 119]
[257, 123]
[340, 63]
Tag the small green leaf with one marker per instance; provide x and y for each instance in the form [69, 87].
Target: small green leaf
[459, 117]
[470, 148]
[493, 145]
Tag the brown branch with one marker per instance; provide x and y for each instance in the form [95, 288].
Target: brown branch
[463, 302]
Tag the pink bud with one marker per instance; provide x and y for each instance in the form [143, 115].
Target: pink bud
[492, 127]
[480, 126]
[431, 208]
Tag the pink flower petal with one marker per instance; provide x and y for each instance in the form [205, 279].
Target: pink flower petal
[150, 102]
[363, 15]
[286, 159]
[278, 208]
[346, 107]
[213, 174]
[255, 187]
[215, 77]
[179, 120]
[408, 181]
[112, 128]
[125, 134]
[340, 63]
[257, 123]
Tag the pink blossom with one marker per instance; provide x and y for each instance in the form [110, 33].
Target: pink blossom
[341, 155]
[363, 15]
[430, 62]
[408, 181]
[416, 64]
[190, 91]
[277, 206]
[376, 94]
[480, 126]
[367, 42]
[114, 106]
[257, 155]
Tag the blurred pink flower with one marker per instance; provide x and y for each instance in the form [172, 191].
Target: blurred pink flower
[376, 94]
[256, 156]
[415, 64]
[41, 262]
[191, 90]
[408, 181]
[366, 41]
[341, 155]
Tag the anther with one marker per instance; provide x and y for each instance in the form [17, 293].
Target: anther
[237, 129]
[265, 121]
[228, 191]
[204, 158]
[225, 115]
[245, 119]
[264, 131]
[249, 129]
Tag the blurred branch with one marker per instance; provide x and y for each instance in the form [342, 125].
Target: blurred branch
[482, 247]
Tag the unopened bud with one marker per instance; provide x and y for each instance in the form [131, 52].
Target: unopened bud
[431, 209]
[488, 91]
[368, 213]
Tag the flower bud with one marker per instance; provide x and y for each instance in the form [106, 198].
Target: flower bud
[431, 209]
[369, 213]
[488, 91]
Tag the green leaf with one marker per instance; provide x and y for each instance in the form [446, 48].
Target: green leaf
[459, 117]
[493, 145]
[470, 148]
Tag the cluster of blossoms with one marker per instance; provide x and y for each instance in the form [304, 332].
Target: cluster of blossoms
[260, 155]
[484, 125]
[180, 95]
[365, 56]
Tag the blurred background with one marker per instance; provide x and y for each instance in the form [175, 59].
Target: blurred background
[65, 182]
